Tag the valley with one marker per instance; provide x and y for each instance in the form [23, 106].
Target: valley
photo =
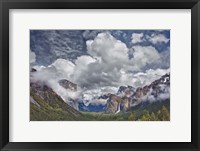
[148, 103]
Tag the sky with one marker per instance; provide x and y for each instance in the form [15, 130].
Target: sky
[99, 61]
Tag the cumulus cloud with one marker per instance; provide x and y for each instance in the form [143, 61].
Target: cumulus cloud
[107, 49]
[112, 64]
[143, 55]
[64, 68]
[137, 37]
[107, 67]
[157, 38]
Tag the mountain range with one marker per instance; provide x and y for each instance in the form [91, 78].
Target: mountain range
[128, 97]
[48, 105]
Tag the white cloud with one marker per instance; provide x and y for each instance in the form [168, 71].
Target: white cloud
[99, 102]
[89, 94]
[32, 57]
[165, 56]
[157, 38]
[52, 74]
[160, 97]
[141, 79]
[107, 68]
[145, 78]
[143, 55]
[64, 68]
[108, 49]
[92, 95]
[137, 38]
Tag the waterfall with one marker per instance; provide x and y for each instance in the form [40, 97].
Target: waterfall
[118, 109]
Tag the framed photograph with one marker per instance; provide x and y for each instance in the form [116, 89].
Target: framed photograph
[99, 75]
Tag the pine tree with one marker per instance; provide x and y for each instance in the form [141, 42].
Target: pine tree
[146, 116]
[153, 117]
[132, 117]
[163, 114]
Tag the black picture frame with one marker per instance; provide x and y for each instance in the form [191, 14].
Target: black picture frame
[5, 5]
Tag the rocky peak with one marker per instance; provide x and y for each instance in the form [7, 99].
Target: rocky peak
[154, 90]
[67, 84]
[125, 91]
[33, 70]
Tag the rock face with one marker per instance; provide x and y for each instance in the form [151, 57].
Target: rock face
[33, 70]
[113, 103]
[67, 84]
[140, 92]
[155, 90]
[128, 97]
[116, 104]
[125, 104]
[126, 91]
